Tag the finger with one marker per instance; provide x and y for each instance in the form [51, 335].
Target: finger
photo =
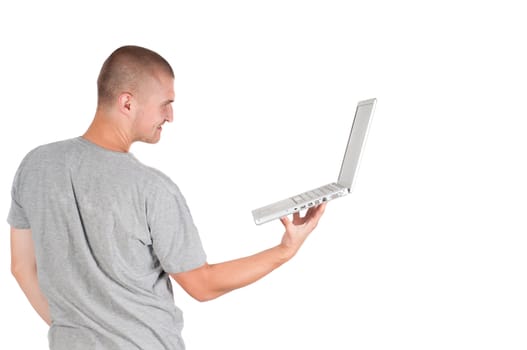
[321, 208]
[296, 218]
[316, 212]
[313, 210]
[285, 221]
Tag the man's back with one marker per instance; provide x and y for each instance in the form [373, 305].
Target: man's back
[107, 230]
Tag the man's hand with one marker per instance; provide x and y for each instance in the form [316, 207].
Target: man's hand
[296, 231]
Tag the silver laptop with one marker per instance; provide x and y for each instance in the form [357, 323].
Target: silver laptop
[342, 187]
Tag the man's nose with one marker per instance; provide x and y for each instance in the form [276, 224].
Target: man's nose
[170, 115]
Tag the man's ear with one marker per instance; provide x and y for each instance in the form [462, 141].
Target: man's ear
[125, 102]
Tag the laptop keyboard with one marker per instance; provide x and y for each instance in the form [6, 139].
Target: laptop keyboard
[316, 193]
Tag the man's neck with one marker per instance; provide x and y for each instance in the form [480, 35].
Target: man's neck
[106, 134]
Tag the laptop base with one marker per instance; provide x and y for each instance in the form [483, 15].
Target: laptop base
[299, 202]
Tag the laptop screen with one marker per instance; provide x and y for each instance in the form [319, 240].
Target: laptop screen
[356, 142]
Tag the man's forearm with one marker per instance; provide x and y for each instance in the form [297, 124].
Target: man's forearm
[212, 281]
[28, 281]
[234, 274]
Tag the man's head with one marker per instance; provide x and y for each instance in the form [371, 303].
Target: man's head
[137, 85]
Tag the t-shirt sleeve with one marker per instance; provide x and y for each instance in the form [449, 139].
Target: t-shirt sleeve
[17, 216]
[175, 238]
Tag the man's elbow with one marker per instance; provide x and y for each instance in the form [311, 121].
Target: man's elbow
[16, 272]
[203, 295]
[197, 283]
[206, 297]
[20, 271]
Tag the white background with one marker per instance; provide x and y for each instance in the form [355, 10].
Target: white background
[429, 251]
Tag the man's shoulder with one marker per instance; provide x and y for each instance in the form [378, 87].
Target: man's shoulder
[158, 183]
[59, 145]
[43, 151]
[159, 180]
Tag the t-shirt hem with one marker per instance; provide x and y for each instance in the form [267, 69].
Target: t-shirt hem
[186, 267]
[16, 224]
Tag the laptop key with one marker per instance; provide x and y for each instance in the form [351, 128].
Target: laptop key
[319, 192]
[298, 199]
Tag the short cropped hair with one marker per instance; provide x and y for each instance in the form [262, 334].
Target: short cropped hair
[124, 70]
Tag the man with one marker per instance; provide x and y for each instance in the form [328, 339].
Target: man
[95, 234]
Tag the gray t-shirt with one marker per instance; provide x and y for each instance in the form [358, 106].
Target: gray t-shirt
[107, 230]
